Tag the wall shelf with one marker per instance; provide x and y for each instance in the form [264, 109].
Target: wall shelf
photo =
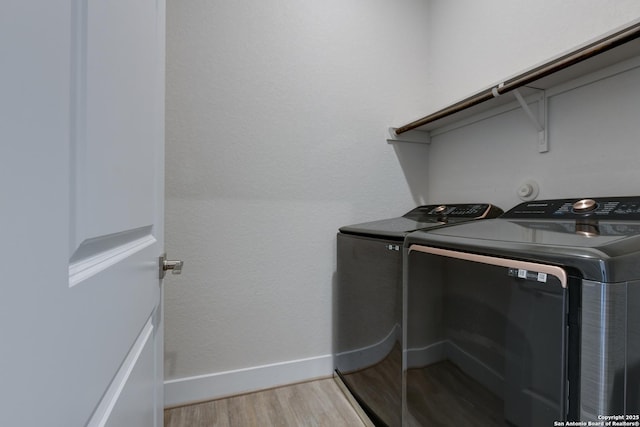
[615, 47]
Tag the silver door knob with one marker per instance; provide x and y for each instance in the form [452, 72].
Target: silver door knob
[168, 264]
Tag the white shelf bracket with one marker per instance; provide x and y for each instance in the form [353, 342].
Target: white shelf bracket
[413, 136]
[539, 121]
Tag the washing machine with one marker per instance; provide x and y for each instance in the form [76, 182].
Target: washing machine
[368, 301]
[531, 319]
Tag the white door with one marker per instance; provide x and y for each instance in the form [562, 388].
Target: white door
[81, 212]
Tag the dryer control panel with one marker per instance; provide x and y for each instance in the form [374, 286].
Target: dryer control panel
[606, 208]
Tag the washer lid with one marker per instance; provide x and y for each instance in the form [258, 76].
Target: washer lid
[423, 217]
[599, 248]
[394, 228]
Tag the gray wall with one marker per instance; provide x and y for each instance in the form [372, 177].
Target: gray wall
[277, 114]
[276, 126]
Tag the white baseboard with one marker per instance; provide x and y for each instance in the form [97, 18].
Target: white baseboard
[200, 388]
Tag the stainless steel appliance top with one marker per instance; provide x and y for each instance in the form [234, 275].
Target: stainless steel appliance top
[427, 216]
[598, 237]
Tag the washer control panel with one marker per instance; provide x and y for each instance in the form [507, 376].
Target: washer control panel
[466, 210]
[612, 208]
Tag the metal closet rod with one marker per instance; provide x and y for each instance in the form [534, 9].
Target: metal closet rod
[572, 58]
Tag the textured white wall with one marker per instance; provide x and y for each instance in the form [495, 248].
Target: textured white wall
[276, 125]
[592, 130]
[473, 44]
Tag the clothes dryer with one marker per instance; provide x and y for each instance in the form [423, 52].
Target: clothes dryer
[368, 303]
[530, 319]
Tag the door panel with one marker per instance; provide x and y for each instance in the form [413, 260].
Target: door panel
[81, 217]
[115, 117]
[124, 402]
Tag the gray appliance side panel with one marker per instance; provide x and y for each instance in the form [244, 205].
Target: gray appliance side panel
[604, 349]
[368, 298]
[368, 323]
[633, 348]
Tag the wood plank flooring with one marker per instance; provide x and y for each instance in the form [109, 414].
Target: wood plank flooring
[314, 404]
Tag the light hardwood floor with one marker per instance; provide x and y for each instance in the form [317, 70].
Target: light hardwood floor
[317, 403]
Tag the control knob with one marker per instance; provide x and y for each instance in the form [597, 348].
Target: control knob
[442, 215]
[584, 206]
[440, 209]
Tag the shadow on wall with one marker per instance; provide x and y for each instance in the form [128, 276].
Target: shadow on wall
[413, 161]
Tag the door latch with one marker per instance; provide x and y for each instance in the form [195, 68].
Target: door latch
[168, 264]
